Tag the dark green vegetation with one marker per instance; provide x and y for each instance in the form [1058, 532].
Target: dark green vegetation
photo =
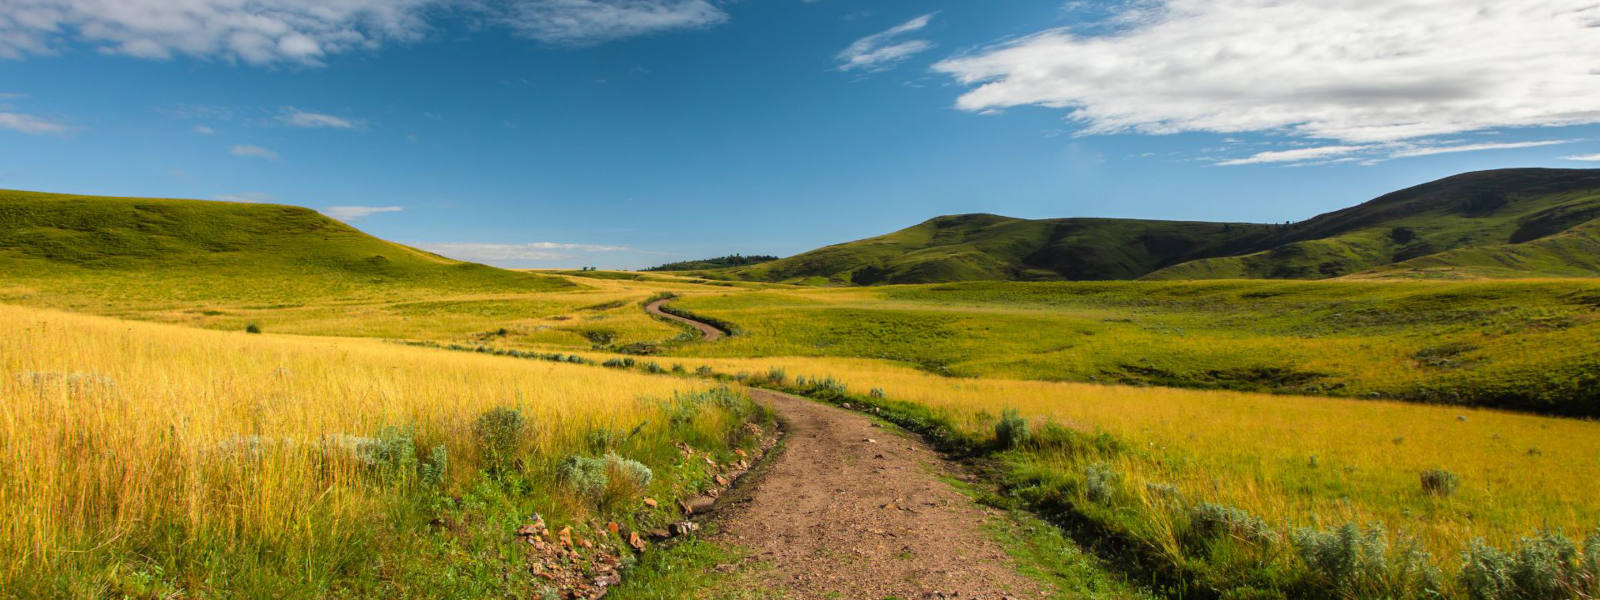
[189, 249]
[1521, 345]
[1507, 223]
[732, 260]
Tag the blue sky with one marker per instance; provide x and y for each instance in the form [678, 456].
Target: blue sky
[625, 133]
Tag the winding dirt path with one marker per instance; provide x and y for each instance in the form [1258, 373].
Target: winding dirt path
[852, 510]
[707, 330]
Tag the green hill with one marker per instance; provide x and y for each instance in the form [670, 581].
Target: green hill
[1515, 222]
[981, 246]
[202, 250]
[1476, 219]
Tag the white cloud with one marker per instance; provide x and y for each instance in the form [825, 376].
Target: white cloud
[298, 118]
[487, 252]
[1431, 150]
[885, 49]
[1355, 71]
[29, 124]
[1584, 157]
[253, 151]
[204, 130]
[584, 22]
[1294, 155]
[248, 198]
[305, 32]
[351, 213]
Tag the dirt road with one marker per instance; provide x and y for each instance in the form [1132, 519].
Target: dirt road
[852, 510]
[707, 330]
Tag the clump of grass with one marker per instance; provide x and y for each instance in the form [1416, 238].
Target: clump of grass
[1439, 482]
[499, 433]
[1012, 430]
[1210, 521]
[252, 328]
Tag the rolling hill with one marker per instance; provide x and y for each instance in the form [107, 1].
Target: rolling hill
[1504, 223]
[203, 249]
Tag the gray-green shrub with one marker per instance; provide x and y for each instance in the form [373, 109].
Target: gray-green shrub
[1439, 482]
[1209, 521]
[1546, 565]
[1357, 563]
[499, 433]
[1012, 430]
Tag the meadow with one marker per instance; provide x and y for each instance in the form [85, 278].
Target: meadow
[142, 460]
[1522, 345]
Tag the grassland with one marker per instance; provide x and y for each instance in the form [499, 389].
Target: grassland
[1524, 345]
[149, 461]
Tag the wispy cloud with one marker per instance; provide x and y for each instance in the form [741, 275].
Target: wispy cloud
[351, 213]
[1450, 149]
[1583, 157]
[1348, 72]
[586, 22]
[253, 151]
[307, 32]
[295, 117]
[885, 49]
[1294, 155]
[508, 253]
[204, 130]
[30, 124]
[247, 197]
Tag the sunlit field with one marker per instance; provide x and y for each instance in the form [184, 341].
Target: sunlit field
[1524, 345]
[145, 460]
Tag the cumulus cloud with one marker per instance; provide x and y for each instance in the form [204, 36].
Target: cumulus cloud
[305, 32]
[298, 118]
[489, 252]
[29, 124]
[1351, 71]
[351, 213]
[886, 48]
[253, 151]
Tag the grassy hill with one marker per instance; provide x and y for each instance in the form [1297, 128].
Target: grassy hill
[191, 249]
[983, 246]
[1506, 223]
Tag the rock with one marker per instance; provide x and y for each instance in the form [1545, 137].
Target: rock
[871, 441]
[651, 502]
[613, 527]
[722, 481]
[741, 453]
[683, 528]
[636, 542]
[531, 530]
[846, 406]
[565, 535]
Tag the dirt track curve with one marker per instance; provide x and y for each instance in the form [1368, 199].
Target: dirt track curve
[707, 330]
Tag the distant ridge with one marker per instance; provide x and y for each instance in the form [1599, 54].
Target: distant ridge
[1503, 223]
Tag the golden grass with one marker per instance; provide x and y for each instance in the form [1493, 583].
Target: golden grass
[123, 438]
[1293, 460]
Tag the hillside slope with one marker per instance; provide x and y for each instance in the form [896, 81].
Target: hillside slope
[1475, 218]
[1515, 220]
[983, 246]
[204, 249]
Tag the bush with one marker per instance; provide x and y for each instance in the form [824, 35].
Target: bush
[1357, 564]
[499, 433]
[1100, 482]
[1439, 482]
[435, 466]
[1547, 565]
[876, 393]
[1208, 521]
[1012, 430]
[252, 328]
[605, 480]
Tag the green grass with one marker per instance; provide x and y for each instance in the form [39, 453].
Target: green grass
[1522, 345]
